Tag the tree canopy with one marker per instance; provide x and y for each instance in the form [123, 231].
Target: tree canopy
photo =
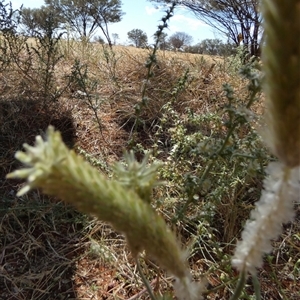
[180, 39]
[85, 16]
[212, 47]
[38, 20]
[239, 20]
[138, 37]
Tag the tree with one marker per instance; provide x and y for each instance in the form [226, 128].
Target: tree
[85, 16]
[99, 39]
[38, 20]
[239, 20]
[115, 37]
[105, 12]
[138, 37]
[212, 47]
[180, 39]
[163, 43]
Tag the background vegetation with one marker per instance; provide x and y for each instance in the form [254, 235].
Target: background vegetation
[198, 115]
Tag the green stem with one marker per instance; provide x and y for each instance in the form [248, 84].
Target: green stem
[149, 65]
[220, 286]
[144, 279]
[239, 288]
[256, 286]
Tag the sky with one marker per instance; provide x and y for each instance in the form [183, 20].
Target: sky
[145, 15]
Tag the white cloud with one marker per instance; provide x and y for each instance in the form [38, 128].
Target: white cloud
[17, 4]
[192, 24]
[33, 4]
[150, 10]
[173, 29]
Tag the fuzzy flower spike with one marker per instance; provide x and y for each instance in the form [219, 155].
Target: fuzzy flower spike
[57, 171]
[281, 57]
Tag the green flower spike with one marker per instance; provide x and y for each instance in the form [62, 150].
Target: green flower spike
[57, 171]
[139, 177]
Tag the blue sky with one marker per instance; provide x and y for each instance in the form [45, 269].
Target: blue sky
[145, 15]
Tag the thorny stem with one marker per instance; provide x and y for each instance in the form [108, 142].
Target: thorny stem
[149, 64]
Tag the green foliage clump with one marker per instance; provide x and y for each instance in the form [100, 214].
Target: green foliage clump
[215, 160]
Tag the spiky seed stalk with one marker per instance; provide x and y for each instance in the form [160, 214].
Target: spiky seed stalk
[60, 172]
[275, 207]
[281, 58]
[52, 167]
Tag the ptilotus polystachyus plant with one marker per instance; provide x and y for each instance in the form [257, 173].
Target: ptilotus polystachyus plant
[281, 62]
[58, 171]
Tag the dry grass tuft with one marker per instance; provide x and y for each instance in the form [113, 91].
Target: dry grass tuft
[39, 246]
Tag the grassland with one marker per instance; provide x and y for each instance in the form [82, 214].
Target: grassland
[105, 102]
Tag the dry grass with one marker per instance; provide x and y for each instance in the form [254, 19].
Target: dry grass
[50, 251]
